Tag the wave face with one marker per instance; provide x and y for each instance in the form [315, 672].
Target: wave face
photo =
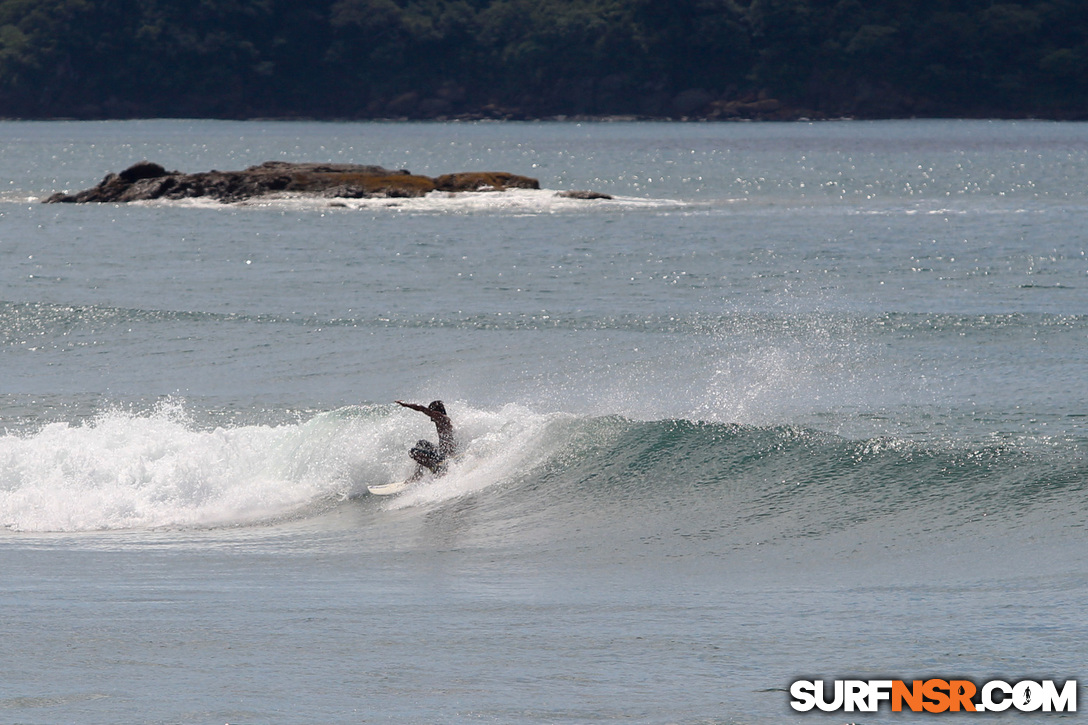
[723, 485]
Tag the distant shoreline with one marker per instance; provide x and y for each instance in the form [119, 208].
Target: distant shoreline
[369, 60]
[795, 116]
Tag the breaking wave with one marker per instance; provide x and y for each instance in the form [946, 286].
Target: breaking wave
[126, 469]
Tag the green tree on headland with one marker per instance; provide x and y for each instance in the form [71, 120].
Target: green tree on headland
[535, 58]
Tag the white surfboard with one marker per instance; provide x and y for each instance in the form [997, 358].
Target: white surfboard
[387, 489]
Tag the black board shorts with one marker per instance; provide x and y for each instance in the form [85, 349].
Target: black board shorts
[427, 455]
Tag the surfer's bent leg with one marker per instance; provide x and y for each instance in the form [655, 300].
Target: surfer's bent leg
[426, 454]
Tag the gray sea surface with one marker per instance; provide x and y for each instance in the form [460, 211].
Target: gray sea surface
[801, 401]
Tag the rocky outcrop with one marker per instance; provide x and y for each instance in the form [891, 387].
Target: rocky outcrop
[581, 194]
[146, 181]
[484, 181]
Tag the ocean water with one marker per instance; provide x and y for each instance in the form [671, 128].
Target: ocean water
[801, 401]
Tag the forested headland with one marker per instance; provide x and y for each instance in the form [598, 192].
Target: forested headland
[717, 59]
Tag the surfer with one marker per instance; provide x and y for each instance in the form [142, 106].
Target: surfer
[428, 456]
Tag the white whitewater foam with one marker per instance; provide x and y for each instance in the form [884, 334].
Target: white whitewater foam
[127, 470]
[511, 201]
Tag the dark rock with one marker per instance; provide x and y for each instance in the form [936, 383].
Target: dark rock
[579, 194]
[406, 104]
[484, 181]
[690, 101]
[142, 170]
[146, 180]
[763, 105]
[758, 109]
[434, 107]
[452, 92]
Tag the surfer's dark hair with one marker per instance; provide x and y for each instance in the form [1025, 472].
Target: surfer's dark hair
[437, 406]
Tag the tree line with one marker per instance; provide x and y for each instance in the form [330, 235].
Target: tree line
[543, 58]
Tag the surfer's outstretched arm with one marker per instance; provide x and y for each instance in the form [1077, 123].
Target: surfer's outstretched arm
[413, 406]
[429, 412]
